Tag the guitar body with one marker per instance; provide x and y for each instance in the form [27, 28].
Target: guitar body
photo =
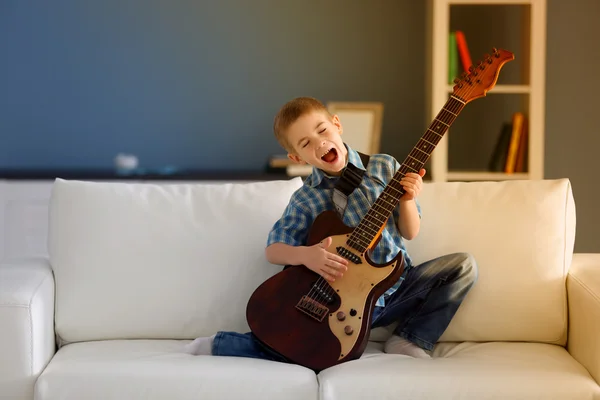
[321, 325]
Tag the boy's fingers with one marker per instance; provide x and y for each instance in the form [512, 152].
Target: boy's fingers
[326, 242]
[336, 266]
[337, 258]
[332, 271]
[327, 276]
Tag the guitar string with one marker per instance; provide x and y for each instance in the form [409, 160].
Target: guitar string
[322, 285]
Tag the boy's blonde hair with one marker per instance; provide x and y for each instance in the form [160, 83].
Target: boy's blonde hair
[289, 113]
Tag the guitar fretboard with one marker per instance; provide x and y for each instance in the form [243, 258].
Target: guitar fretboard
[372, 224]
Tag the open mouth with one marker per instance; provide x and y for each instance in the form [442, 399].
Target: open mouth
[331, 156]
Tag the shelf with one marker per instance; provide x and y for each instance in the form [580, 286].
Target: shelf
[519, 26]
[488, 2]
[485, 176]
[503, 89]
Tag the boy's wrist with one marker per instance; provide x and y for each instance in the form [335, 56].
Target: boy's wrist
[301, 255]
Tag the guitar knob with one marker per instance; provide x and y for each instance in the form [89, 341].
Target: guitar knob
[352, 312]
[348, 330]
[341, 316]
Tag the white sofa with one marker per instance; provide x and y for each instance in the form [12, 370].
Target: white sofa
[135, 271]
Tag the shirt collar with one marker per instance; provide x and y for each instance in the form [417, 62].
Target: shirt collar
[317, 174]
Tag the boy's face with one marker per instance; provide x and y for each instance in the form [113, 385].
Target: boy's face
[317, 141]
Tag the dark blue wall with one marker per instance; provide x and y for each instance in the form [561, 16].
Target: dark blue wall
[196, 83]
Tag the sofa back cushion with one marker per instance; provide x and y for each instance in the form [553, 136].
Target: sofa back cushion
[177, 261]
[137, 260]
[521, 234]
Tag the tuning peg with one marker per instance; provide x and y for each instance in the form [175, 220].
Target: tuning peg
[481, 65]
[488, 58]
[496, 53]
[456, 80]
[472, 70]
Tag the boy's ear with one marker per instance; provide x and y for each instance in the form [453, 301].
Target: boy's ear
[296, 158]
[336, 121]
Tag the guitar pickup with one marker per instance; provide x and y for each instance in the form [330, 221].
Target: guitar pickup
[348, 255]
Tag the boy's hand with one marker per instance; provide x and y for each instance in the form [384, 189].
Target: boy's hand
[412, 184]
[330, 266]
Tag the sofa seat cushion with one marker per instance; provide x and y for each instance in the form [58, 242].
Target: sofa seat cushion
[494, 370]
[157, 369]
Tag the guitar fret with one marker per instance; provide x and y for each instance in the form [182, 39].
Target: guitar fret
[413, 163]
[373, 225]
[434, 132]
[355, 245]
[366, 226]
[387, 202]
[377, 213]
[423, 145]
[416, 156]
[397, 190]
[409, 168]
[396, 180]
[457, 99]
[428, 142]
[427, 154]
[386, 211]
[357, 236]
[445, 109]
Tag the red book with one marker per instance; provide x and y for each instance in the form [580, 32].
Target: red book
[463, 50]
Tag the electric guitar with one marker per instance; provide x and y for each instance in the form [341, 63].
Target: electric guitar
[318, 324]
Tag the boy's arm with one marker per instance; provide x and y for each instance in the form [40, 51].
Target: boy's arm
[409, 222]
[409, 218]
[285, 254]
[285, 245]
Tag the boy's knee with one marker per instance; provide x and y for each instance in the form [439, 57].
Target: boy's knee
[468, 267]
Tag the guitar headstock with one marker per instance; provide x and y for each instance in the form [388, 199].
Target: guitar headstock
[482, 76]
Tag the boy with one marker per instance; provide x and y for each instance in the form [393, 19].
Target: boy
[425, 298]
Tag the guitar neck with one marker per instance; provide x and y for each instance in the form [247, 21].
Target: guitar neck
[365, 234]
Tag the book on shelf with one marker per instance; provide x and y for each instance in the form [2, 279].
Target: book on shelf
[463, 50]
[453, 70]
[459, 57]
[510, 151]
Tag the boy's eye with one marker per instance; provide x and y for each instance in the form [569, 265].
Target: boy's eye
[305, 144]
[324, 129]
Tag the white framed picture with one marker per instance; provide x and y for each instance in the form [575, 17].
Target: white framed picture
[361, 122]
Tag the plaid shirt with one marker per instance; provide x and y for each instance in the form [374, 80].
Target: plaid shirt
[315, 196]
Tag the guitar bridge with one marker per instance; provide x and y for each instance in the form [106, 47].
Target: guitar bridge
[312, 308]
[348, 255]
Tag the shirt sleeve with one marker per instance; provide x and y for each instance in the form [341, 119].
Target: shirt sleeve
[291, 228]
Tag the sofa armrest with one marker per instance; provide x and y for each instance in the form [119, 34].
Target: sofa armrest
[27, 341]
[583, 291]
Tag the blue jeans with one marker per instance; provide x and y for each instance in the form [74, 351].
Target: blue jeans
[423, 306]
